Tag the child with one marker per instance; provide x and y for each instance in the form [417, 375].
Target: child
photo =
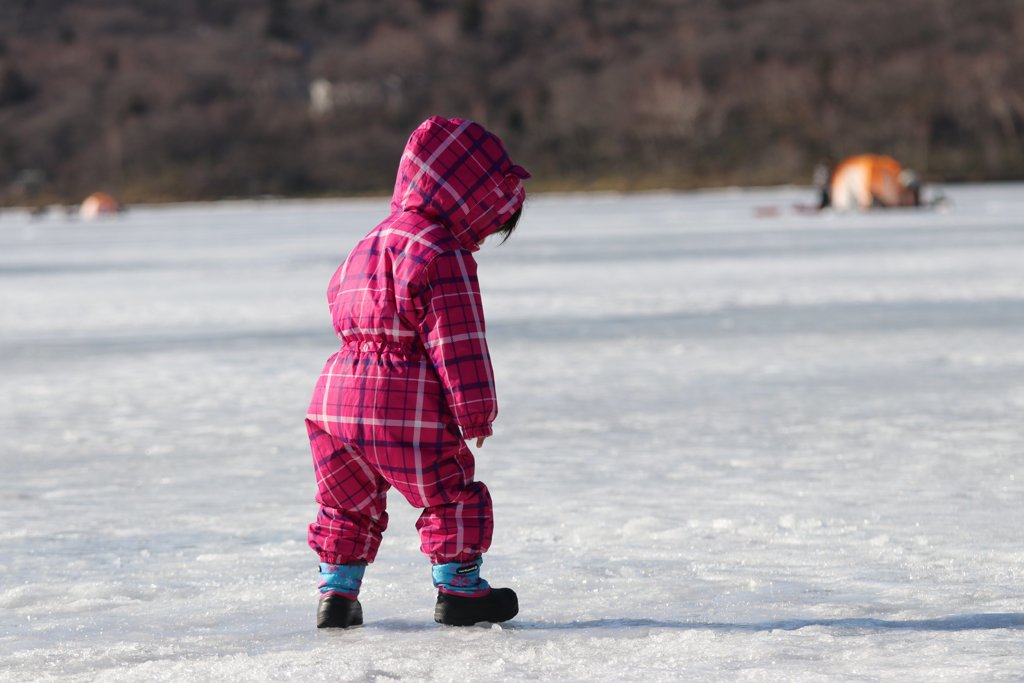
[413, 380]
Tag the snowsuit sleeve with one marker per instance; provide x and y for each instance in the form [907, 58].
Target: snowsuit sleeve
[451, 329]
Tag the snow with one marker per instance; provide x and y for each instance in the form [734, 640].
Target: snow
[731, 447]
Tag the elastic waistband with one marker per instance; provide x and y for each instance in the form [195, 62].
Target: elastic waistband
[382, 347]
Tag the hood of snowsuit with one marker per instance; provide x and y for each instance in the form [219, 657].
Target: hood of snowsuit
[459, 174]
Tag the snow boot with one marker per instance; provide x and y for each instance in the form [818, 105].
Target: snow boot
[500, 604]
[464, 599]
[337, 611]
[339, 590]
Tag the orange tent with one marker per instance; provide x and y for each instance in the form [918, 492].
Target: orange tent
[870, 180]
[98, 204]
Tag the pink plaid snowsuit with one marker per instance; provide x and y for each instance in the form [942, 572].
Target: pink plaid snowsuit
[413, 369]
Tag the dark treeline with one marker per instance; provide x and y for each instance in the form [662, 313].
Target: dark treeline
[201, 99]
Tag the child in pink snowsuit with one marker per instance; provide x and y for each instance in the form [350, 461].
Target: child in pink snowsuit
[412, 381]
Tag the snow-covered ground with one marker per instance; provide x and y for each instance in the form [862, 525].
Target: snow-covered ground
[731, 447]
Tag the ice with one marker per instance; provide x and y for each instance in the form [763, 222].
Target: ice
[731, 447]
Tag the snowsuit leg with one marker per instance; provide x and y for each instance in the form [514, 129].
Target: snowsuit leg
[352, 498]
[413, 443]
[457, 522]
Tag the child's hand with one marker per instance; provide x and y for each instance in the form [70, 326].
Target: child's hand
[480, 441]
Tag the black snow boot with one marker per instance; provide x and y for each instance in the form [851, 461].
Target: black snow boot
[337, 611]
[500, 604]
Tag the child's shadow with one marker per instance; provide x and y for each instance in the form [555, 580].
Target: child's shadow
[959, 622]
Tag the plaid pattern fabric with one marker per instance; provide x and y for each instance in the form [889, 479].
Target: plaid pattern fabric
[457, 173]
[413, 377]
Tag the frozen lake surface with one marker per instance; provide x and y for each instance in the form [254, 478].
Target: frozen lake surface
[731, 447]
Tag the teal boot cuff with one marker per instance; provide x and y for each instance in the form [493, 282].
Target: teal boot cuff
[461, 578]
[341, 579]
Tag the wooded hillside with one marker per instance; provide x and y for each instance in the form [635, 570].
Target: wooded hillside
[201, 99]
